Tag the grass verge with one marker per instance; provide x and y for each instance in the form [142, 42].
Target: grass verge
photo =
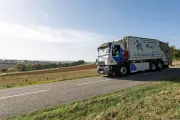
[157, 100]
[24, 80]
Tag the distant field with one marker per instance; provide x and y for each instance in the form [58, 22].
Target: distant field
[46, 76]
[6, 65]
[54, 70]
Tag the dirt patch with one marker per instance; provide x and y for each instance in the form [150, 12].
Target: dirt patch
[175, 62]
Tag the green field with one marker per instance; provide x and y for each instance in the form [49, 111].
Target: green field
[154, 101]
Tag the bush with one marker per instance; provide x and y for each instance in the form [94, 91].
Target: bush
[11, 69]
[20, 67]
[3, 70]
[28, 67]
[175, 53]
[36, 67]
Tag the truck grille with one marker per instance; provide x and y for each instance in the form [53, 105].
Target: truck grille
[101, 63]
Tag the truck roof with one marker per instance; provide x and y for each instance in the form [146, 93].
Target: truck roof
[105, 44]
[135, 37]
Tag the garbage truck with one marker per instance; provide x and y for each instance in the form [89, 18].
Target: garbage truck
[132, 54]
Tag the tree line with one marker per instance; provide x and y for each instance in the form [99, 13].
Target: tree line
[29, 67]
[175, 53]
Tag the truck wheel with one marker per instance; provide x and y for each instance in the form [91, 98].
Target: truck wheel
[160, 65]
[153, 66]
[123, 71]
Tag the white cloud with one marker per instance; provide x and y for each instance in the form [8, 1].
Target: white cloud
[48, 42]
[42, 33]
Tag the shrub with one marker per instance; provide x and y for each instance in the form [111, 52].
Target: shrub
[20, 67]
[28, 67]
[3, 70]
[11, 69]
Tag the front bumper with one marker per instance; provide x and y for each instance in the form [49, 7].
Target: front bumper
[104, 69]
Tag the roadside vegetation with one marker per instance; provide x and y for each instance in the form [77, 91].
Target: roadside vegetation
[175, 53]
[159, 100]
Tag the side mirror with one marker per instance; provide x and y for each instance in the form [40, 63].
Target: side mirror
[113, 51]
[96, 62]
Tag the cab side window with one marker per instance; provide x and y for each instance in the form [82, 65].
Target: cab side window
[116, 50]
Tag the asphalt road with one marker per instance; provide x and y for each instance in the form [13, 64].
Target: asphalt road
[30, 98]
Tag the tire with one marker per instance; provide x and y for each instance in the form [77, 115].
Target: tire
[123, 70]
[153, 66]
[160, 65]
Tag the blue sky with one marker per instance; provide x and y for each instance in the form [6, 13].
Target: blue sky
[72, 29]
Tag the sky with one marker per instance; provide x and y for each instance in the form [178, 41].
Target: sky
[73, 29]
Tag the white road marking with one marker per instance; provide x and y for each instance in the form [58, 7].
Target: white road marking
[91, 82]
[18, 91]
[23, 94]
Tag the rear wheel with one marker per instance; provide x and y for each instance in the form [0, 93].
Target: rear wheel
[153, 66]
[160, 65]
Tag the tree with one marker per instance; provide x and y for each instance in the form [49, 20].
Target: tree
[59, 64]
[20, 67]
[52, 65]
[36, 67]
[45, 66]
[28, 67]
[65, 64]
[175, 52]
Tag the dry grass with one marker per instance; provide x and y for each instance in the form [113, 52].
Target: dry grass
[21, 80]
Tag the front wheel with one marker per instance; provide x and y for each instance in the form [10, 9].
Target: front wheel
[123, 71]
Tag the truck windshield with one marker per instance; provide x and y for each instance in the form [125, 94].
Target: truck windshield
[103, 51]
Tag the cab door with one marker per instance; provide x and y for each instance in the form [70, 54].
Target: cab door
[118, 53]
